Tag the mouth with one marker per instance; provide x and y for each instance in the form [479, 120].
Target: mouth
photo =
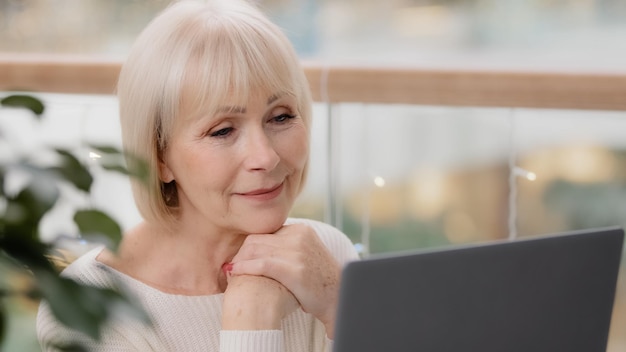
[264, 193]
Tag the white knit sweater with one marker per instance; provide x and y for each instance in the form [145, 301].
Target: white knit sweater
[187, 323]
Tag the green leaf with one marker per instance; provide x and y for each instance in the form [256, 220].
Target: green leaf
[71, 347]
[24, 101]
[138, 168]
[73, 171]
[84, 308]
[78, 307]
[24, 211]
[98, 226]
[111, 158]
[2, 322]
[106, 149]
[28, 251]
[117, 168]
[2, 173]
[114, 159]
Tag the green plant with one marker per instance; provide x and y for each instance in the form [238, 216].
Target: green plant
[77, 306]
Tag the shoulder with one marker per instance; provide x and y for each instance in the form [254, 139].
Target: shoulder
[336, 241]
[88, 271]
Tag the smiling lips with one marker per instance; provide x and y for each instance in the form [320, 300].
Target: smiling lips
[263, 194]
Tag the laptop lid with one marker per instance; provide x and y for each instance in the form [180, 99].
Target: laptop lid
[547, 293]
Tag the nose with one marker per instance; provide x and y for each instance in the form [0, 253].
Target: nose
[260, 152]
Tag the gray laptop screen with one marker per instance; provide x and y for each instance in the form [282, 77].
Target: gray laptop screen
[547, 293]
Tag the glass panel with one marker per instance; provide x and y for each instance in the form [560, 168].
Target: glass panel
[579, 159]
[413, 176]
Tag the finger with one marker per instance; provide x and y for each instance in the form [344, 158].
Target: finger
[226, 269]
[295, 237]
[270, 239]
[289, 233]
[283, 271]
[250, 251]
[258, 246]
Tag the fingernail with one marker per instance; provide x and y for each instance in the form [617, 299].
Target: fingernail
[227, 267]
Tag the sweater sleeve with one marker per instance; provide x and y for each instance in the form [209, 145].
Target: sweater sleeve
[329, 345]
[121, 336]
[251, 341]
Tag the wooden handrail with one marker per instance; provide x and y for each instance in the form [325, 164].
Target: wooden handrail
[561, 90]
[58, 74]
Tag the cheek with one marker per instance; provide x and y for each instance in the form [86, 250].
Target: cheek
[190, 159]
[203, 167]
[294, 147]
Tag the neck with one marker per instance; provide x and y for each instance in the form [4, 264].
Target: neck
[186, 262]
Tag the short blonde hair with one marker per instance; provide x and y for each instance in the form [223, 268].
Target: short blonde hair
[223, 50]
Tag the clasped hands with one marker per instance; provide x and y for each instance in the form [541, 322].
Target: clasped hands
[274, 274]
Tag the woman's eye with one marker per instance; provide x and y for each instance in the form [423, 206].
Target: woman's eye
[283, 117]
[221, 132]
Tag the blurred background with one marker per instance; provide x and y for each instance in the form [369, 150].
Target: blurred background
[393, 177]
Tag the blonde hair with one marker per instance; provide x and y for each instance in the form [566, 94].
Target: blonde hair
[222, 51]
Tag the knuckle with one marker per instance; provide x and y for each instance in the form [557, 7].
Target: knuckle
[264, 266]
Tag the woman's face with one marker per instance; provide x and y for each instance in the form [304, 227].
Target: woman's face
[239, 170]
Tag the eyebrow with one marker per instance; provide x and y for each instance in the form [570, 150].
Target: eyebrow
[242, 109]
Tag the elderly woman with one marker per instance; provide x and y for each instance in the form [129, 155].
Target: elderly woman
[212, 96]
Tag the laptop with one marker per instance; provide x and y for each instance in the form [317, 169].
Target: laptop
[542, 294]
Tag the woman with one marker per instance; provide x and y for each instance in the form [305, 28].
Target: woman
[213, 98]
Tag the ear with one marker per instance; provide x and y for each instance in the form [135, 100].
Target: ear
[165, 174]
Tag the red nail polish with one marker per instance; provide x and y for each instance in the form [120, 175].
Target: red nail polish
[227, 267]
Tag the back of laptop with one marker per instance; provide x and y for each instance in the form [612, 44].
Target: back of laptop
[548, 293]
